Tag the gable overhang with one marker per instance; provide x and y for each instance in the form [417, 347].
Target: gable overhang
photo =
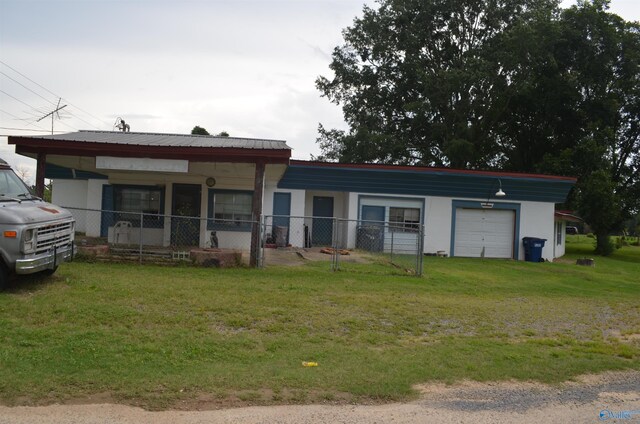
[419, 181]
[32, 147]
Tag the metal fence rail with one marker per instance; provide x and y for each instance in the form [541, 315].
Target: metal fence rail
[343, 239]
[211, 241]
[157, 237]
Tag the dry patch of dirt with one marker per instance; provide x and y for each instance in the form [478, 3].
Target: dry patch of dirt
[586, 399]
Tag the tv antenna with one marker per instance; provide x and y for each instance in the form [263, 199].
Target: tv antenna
[54, 112]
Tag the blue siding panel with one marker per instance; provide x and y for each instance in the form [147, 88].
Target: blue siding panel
[443, 184]
[62, 173]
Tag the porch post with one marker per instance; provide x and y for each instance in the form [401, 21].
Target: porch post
[256, 212]
[40, 168]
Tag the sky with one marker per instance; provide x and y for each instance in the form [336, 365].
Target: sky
[247, 67]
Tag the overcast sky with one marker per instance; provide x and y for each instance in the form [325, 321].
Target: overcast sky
[247, 67]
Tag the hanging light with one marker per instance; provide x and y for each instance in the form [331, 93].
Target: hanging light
[500, 193]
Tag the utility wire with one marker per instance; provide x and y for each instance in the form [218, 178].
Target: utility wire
[54, 104]
[28, 105]
[19, 83]
[51, 92]
[23, 129]
[28, 123]
[17, 99]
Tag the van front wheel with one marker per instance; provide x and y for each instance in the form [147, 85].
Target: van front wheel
[4, 278]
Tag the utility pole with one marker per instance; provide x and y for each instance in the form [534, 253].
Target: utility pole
[55, 111]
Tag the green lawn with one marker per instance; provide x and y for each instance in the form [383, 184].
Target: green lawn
[154, 336]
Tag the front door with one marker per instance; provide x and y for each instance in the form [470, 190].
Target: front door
[281, 210]
[185, 211]
[371, 229]
[322, 228]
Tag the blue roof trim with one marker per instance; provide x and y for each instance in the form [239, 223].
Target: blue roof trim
[442, 184]
[56, 172]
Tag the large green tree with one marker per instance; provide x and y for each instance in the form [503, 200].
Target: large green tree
[416, 79]
[516, 85]
[601, 55]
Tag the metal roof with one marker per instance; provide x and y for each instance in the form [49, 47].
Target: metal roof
[165, 140]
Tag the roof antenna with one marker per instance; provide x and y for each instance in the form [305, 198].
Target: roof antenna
[121, 125]
[55, 111]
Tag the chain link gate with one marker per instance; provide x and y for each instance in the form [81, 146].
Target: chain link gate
[381, 242]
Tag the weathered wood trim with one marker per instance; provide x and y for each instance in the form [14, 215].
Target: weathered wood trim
[256, 213]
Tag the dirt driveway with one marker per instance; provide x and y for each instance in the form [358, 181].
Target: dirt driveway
[611, 397]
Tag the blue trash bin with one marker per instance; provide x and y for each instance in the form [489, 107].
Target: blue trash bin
[533, 249]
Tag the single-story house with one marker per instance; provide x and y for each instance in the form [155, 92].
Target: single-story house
[229, 181]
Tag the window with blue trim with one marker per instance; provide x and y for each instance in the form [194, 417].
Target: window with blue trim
[133, 201]
[229, 210]
[404, 220]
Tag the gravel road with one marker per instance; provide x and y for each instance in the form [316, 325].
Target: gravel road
[589, 399]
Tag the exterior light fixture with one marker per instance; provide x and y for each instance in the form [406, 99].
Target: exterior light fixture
[499, 193]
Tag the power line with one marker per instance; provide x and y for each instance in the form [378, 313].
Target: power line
[28, 123]
[28, 105]
[17, 99]
[19, 83]
[51, 92]
[22, 129]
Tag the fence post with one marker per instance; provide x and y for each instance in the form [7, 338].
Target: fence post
[420, 254]
[334, 244]
[391, 257]
[261, 241]
[140, 235]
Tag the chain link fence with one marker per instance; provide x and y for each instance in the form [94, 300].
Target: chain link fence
[283, 240]
[346, 244]
[135, 236]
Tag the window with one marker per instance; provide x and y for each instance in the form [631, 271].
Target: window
[146, 200]
[404, 220]
[131, 201]
[558, 233]
[229, 210]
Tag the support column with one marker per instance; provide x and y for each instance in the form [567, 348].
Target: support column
[256, 212]
[40, 168]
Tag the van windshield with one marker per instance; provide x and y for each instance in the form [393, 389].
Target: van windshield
[11, 185]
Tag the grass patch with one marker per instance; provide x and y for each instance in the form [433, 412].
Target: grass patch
[155, 336]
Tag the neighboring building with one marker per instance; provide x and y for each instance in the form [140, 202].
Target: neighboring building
[232, 180]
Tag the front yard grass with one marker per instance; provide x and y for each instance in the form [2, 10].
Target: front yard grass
[160, 336]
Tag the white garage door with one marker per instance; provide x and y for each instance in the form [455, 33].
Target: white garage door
[484, 232]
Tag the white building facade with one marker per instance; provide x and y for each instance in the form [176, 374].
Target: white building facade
[109, 177]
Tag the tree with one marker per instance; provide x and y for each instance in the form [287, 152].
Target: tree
[24, 173]
[415, 79]
[516, 85]
[223, 134]
[603, 59]
[199, 131]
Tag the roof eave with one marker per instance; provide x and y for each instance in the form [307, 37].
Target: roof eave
[32, 146]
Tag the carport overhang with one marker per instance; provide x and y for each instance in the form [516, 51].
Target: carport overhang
[40, 147]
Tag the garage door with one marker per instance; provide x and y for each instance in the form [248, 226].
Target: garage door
[484, 230]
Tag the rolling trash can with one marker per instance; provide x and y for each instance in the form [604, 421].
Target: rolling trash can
[280, 235]
[533, 249]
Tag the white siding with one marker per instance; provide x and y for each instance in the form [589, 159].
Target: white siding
[438, 225]
[559, 248]
[72, 194]
[536, 220]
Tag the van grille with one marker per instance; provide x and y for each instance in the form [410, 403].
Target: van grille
[57, 235]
